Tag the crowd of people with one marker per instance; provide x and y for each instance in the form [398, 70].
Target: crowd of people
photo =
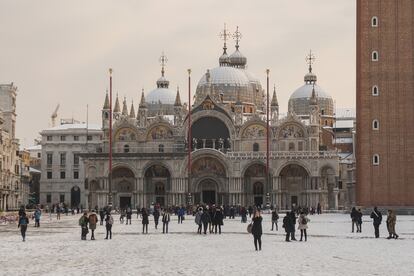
[209, 219]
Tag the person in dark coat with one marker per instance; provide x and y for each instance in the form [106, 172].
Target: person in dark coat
[205, 219]
[101, 216]
[354, 218]
[109, 221]
[218, 220]
[83, 223]
[210, 223]
[377, 219]
[156, 215]
[257, 229]
[288, 225]
[359, 221]
[319, 209]
[165, 220]
[293, 220]
[275, 218]
[128, 216]
[243, 214]
[145, 220]
[198, 219]
[250, 210]
[23, 222]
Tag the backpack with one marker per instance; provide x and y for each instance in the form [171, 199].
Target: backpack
[110, 220]
[304, 221]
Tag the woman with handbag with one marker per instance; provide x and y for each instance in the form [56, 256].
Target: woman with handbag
[257, 229]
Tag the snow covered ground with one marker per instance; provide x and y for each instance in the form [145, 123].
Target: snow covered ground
[56, 249]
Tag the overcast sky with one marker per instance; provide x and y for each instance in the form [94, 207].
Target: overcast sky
[60, 51]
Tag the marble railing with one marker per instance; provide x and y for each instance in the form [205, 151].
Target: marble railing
[282, 154]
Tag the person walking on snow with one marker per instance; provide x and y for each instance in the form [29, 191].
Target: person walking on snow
[165, 220]
[37, 215]
[128, 216]
[23, 222]
[391, 221]
[218, 220]
[102, 216]
[377, 219]
[288, 225]
[93, 220]
[354, 218]
[275, 218]
[198, 219]
[83, 223]
[205, 220]
[156, 215]
[303, 225]
[109, 221]
[257, 229]
[293, 220]
[145, 220]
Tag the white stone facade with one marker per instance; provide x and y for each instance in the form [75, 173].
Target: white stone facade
[11, 187]
[62, 179]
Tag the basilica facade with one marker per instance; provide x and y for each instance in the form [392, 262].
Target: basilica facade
[228, 145]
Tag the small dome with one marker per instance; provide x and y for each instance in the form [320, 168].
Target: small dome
[237, 59]
[226, 76]
[224, 59]
[305, 91]
[163, 95]
[310, 78]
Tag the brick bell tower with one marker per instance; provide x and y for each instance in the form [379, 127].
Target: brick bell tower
[385, 100]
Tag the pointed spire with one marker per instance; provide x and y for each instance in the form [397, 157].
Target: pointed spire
[142, 104]
[162, 82]
[163, 61]
[132, 112]
[177, 98]
[125, 108]
[313, 99]
[274, 98]
[310, 77]
[117, 108]
[106, 104]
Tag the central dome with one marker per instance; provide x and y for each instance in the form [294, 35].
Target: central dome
[225, 75]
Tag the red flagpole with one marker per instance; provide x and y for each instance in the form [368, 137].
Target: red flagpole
[190, 138]
[110, 140]
[267, 128]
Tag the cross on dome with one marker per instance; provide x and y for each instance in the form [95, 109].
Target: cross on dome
[237, 36]
[310, 59]
[163, 61]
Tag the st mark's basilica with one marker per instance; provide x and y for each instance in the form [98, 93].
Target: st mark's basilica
[228, 148]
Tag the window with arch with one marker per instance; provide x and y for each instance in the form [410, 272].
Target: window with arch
[374, 21]
[258, 188]
[375, 124]
[126, 148]
[375, 160]
[374, 56]
[161, 148]
[255, 147]
[375, 90]
[106, 115]
[291, 147]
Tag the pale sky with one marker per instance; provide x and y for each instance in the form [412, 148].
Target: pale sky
[60, 51]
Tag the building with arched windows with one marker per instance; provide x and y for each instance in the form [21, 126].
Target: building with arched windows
[228, 146]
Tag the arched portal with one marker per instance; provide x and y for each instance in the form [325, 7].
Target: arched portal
[123, 183]
[294, 180]
[208, 174]
[157, 184]
[210, 132]
[75, 197]
[255, 179]
[208, 191]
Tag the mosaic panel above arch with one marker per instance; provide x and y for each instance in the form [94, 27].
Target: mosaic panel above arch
[125, 134]
[159, 133]
[208, 165]
[291, 131]
[254, 131]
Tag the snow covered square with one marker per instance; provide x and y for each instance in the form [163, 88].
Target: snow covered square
[56, 249]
